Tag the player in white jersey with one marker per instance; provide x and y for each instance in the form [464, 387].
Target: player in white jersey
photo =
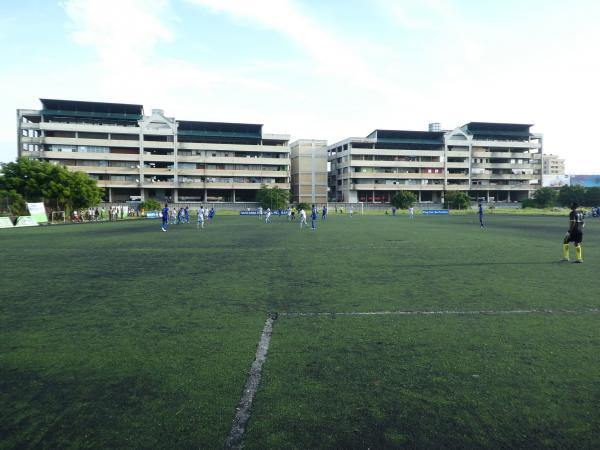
[302, 218]
[411, 213]
[289, 214]
[268, 215]
[200, 223]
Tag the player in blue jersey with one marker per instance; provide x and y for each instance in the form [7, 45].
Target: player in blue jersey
[313, 217]
[165, 218]
[481, 215]
[574, 235]
[324, 213]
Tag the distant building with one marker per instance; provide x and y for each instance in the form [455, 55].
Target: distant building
[136, 156]
[309, 171]
[491, 161]
[553, 165]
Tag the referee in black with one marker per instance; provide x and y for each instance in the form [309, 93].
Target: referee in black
[574, 235]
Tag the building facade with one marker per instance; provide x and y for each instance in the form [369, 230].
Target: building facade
[309, 171]
[492, 161]
[553, 165]
[137, 156]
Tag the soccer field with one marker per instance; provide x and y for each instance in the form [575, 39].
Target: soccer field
[116, 335]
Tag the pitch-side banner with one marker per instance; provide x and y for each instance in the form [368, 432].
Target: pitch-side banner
[26, 221]
[5, 222]
[38, 212]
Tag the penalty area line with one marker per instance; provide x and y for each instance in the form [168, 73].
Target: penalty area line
[242, 414]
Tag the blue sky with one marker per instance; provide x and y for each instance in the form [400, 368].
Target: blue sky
[315, 69]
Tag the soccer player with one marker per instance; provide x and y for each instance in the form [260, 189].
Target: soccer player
[165, 218]
[481, 215]
[350, 211]
[302, 218]
[268, 215]
[211, 214]
[574, 235]
[200, 223]
[313, 218]
[173, 215]
[186, 213]
[411, 213]
[324, 213]
[289, 214]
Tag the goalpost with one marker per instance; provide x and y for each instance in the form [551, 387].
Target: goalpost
[58, 217]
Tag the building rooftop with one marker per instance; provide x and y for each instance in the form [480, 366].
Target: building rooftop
[219, 129]
[408, 137]
[498, 130]
[52, 107]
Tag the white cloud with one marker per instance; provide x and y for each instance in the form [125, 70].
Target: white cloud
[120, 30]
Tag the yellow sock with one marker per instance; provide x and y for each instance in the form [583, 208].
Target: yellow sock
[566, 251]
[579, 253]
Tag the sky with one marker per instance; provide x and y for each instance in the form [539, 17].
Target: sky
[315, 69]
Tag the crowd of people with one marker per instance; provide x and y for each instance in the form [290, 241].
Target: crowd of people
[182, 215]
[118, 212]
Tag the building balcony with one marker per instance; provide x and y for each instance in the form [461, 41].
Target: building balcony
[90, 156]
[506, 144]
[394, 164]
[399, 176]
[117, 183]
[393, 187]
[493, 176]
[90, 127]
[504, 187]
[390, 152]
[507, 154]
[233, 147]
[457, 187]
[505, 166]
[159, 158]
[102, 170]
[457, 165]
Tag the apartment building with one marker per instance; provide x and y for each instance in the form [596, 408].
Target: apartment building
[553, 165]
[138, 156]
[309, 171]
[492, 161]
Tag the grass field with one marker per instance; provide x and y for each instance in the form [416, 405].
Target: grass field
[115, 335]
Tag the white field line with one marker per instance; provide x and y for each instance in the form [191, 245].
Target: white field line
[242, 414]
[447, 312]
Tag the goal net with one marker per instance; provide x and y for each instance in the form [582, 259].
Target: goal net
[58, 217]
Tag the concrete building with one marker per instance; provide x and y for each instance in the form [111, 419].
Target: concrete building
[137, 156]
[309, 171]
[493, 161]
[553, 165]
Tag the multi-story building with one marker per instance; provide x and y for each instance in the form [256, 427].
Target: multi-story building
[134, 156]
[553, 165]
[491, 161]
[309, 171]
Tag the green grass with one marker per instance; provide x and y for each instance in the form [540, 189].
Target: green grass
[116, 335]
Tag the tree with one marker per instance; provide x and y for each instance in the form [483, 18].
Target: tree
[592, 196]
[571, 194]
[404, 199]
[150, 205]
[12, 203]
[53, 184]
[545, 197]
[457, 200]
[274, 198]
